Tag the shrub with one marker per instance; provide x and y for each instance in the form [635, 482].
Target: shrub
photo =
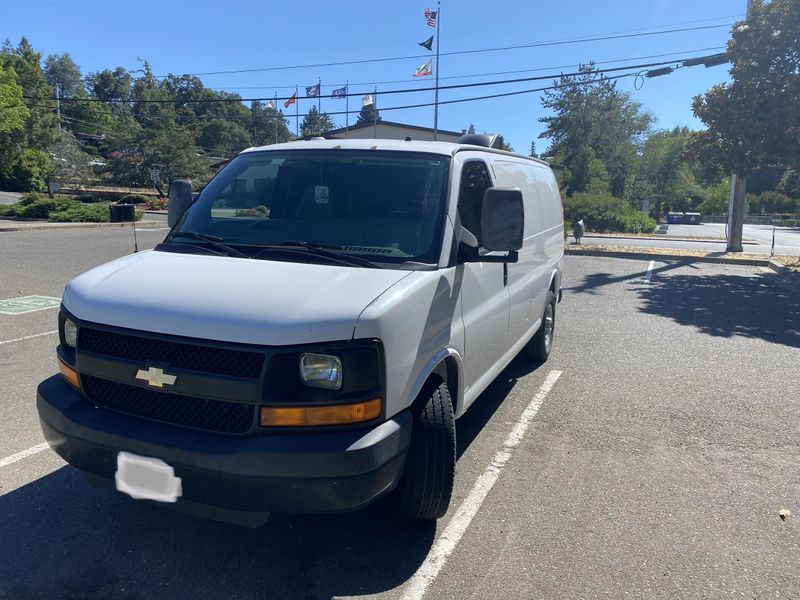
[41, 208]
[157, 204]
[89, 198]
[29, 198]
[134, 199]
[605, 213]
[259, 211]
[78, 212]
[772, 202]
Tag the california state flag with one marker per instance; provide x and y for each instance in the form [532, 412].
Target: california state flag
[424, 70]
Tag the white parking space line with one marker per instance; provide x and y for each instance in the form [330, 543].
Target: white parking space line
[649, 273]
[9, 460]
[447, 542]
[28, 337]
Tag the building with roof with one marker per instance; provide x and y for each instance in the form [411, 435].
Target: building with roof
[391, 130]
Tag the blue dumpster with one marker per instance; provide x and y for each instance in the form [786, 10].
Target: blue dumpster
[692, 218]
[675, 217]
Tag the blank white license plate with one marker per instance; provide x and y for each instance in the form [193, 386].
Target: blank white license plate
[145, 478]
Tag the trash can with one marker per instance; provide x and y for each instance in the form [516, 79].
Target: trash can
[122, 213]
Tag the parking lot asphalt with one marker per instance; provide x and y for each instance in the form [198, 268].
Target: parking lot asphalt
[655, 467]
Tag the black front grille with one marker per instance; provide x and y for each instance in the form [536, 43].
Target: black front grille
[199, 413]
[178, 355]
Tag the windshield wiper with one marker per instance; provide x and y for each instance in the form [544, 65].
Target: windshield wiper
[212, 240]
[324, 250]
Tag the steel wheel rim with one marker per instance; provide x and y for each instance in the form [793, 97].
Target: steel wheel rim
[549, 324]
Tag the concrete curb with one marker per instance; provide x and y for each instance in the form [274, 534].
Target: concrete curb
[753, 262]
[750, 262]
[664, 237]
[28, 226]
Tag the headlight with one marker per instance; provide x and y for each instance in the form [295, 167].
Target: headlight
[70, 333]
[321, 370]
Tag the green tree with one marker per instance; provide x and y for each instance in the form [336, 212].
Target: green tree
[752, 121]
[790, 184]
[667, 177]
[69, 163]
[589, 110]
[39, 130]
[13, 112]
[30, 171]
[62, 70]
[369, 114]
[225, 138]
[263, 121]
[110, 85]
[315, 122]
[533, 149]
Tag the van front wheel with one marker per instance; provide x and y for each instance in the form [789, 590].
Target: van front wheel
[540, 346]
[427, 483]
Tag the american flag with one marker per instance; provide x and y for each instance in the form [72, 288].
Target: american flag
[290, 101]
[430, 17]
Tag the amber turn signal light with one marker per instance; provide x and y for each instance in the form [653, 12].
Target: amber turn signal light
[305, 416]
[70, 374]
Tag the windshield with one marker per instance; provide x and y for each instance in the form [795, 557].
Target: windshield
[387, 207]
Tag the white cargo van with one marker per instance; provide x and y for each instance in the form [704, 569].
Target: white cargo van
[309, 330]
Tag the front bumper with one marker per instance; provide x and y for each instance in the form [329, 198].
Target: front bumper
[296, 472]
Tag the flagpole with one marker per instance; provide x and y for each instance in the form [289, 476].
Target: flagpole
[436, 93]
[319, 96]
[276, 117]
[296, 113]
[375, 114]
[346, 109]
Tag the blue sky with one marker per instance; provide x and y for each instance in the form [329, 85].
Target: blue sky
[213, 35]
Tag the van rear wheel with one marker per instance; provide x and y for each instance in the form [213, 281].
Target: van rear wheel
[427, 483]
[540, 346]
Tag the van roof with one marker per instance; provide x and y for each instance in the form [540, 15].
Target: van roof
[445, 148]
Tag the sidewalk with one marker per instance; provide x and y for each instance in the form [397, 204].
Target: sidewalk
[38, 225]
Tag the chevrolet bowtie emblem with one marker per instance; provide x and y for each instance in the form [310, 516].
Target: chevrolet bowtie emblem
[155, 377]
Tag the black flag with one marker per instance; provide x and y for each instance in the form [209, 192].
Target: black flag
[427, 43]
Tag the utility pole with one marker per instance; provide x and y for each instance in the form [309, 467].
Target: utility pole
[58, 106]
[736, 201]
[436, 93]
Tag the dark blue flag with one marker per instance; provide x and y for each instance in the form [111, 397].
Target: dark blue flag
[339, 93]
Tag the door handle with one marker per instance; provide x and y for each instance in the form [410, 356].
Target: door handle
[505, 274]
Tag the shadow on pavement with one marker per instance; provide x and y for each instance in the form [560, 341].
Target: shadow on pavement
[594, 281]
[64, 538]
[61, 537]
[726, 305]
[470, 425]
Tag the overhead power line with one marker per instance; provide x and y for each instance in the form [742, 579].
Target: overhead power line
[581, 40]
[382, 93]
[427, 104]
[466, 76]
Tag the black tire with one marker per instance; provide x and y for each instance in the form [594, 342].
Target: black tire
[427, 483]
[540, 346]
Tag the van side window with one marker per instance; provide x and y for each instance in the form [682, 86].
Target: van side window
[474, 182]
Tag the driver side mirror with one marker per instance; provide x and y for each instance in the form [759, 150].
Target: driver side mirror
[180, 198]
[502, 219]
